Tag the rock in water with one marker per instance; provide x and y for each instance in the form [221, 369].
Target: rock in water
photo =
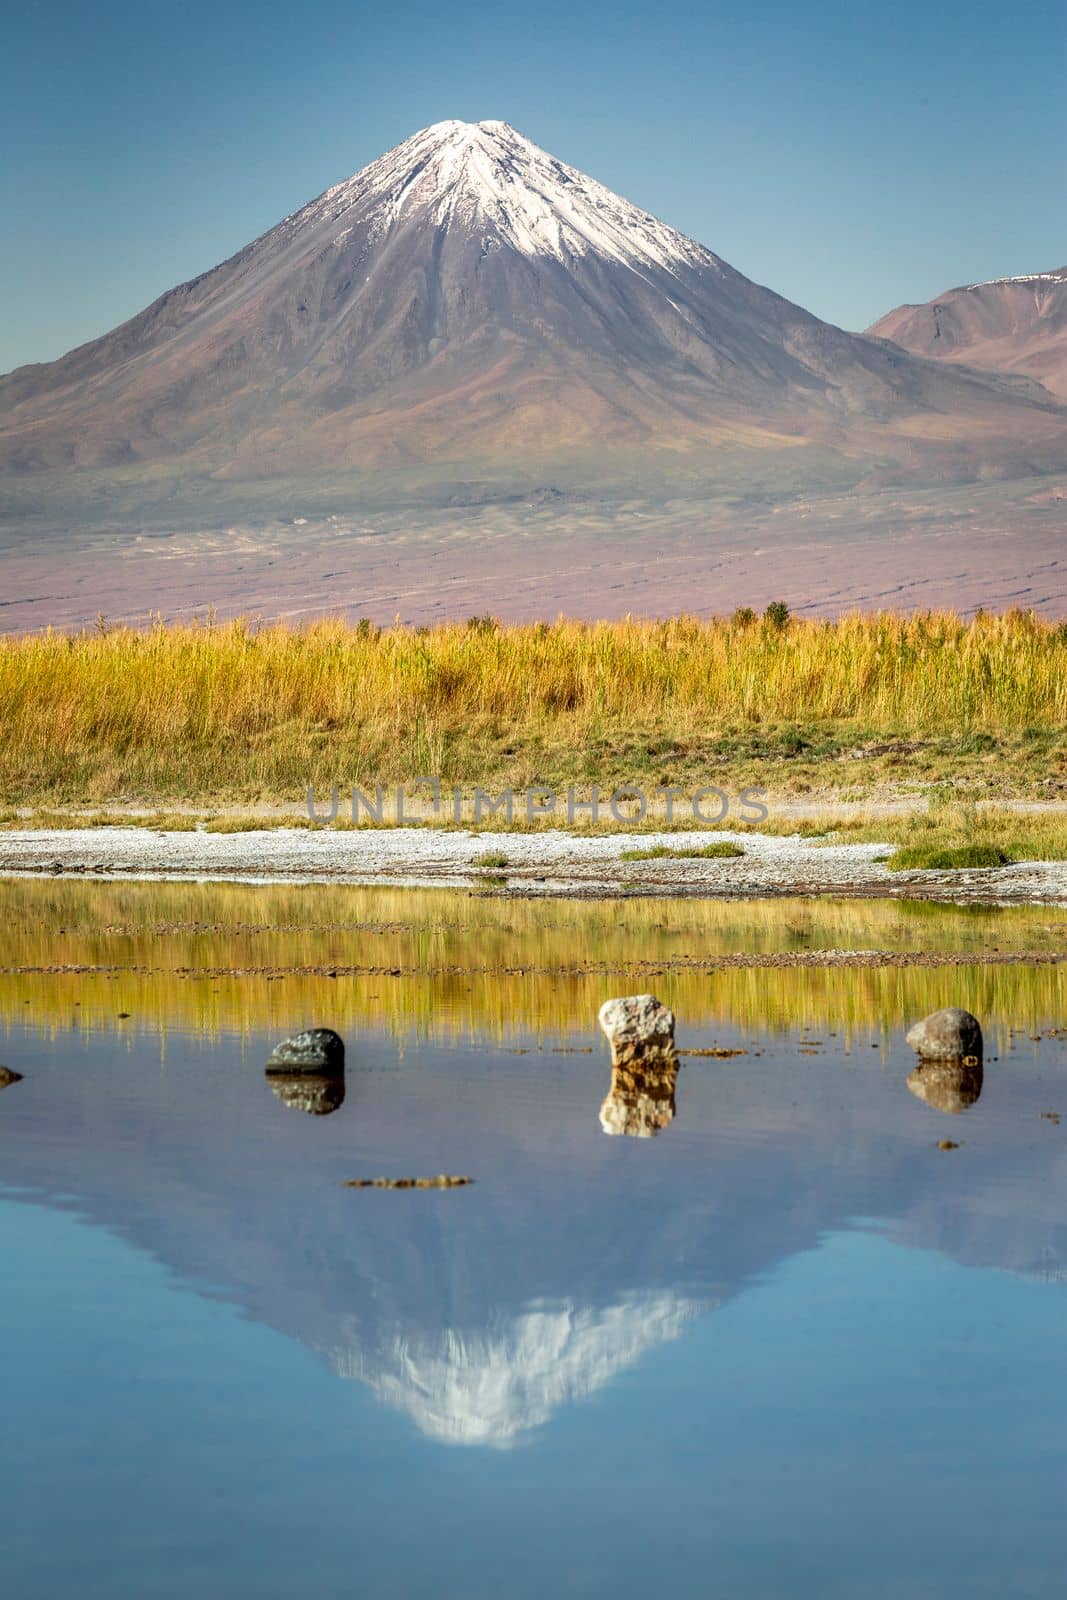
[315, 1050]
[637, 1026]
[317, 1093]
[7, 1077]
[948, 1033]
[949, 1083]
[644, 1066]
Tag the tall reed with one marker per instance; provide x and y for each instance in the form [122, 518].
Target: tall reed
[236, 707]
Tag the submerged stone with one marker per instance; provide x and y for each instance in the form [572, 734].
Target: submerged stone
[443, 1180]
[314, 1050]
[952, 1032]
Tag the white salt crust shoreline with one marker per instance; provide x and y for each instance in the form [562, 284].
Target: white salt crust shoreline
[549, 863]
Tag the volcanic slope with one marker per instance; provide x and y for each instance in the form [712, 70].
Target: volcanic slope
[468, 316]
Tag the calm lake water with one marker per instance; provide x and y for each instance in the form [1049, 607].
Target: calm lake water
[788, 1347]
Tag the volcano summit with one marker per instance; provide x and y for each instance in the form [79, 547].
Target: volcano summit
[470, 317]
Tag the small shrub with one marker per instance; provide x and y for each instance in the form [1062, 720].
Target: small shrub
[928, 858]
[777, 616]
[793, 742]
[721, 850]
[491, 858]
[977, 744]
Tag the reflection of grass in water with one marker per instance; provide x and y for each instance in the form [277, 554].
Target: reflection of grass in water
[450, 951]
[778, 1000]
[289, 923]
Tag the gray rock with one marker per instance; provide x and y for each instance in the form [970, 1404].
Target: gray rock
[637, 1026]
[314, 1050]
[7, 1077]
[948, 1033]
[317, 1093]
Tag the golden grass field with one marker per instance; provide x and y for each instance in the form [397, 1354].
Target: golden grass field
[235, 713]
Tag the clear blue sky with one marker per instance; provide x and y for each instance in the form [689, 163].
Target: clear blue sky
[850, 157]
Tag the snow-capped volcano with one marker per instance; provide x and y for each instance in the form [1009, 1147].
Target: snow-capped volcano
[468, 309]
[486, 175]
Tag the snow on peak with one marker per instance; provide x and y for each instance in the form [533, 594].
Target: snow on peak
[487, 176]
[1025, 277]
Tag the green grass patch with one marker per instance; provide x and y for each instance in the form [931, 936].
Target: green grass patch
[721, 850]
[927, 858]
[491, 858]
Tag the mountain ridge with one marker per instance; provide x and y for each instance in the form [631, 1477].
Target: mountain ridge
[1013, 325]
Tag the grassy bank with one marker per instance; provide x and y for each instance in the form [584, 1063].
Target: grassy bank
[972, 835]
[236, 713]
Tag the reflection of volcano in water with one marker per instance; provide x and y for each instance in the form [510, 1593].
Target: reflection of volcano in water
[489, 1387]
[479, 1312]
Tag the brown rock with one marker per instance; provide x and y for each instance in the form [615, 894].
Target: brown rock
[952, 1033]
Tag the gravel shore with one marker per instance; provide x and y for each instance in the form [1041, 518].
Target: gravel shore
[550, 863]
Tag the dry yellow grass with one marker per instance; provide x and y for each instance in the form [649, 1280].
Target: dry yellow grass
[237, 711]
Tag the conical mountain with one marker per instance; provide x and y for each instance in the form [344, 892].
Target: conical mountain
[470, 308]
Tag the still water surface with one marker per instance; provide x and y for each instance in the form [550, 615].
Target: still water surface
[788, 1347]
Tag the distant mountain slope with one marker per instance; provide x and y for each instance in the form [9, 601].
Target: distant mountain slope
[1016, 325]
[469, 309]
